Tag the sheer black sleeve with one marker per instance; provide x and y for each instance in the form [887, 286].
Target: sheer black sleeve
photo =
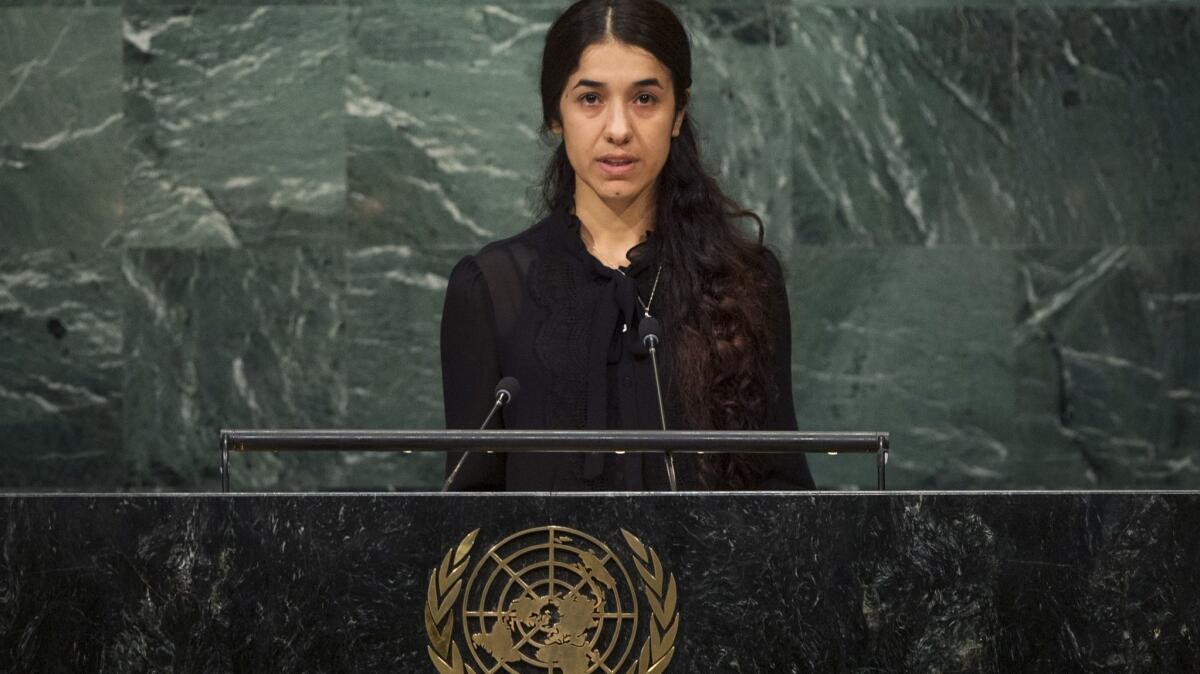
[470, 370]
[784, 471]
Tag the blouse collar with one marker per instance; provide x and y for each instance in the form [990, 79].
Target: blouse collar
[642, 256]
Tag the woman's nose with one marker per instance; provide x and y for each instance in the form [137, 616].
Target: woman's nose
[618, 128]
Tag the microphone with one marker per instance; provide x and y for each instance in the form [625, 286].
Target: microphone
[648, 331]
[506, 390]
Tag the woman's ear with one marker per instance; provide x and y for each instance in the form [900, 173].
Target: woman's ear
[687, 98]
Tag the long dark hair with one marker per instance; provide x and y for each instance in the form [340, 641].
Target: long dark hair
[721, 355]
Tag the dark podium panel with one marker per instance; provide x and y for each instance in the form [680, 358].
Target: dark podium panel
[770, 583]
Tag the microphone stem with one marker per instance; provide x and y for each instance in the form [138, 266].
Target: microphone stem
[500, 400]
[662, 416]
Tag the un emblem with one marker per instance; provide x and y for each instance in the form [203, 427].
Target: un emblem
[551, 600]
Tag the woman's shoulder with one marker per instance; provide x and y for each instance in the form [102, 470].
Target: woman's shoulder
[529, 239]
[771, 265]
[503, 257]
[773, 283]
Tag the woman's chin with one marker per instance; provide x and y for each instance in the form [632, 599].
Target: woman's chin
[613, 190]
[619, 189]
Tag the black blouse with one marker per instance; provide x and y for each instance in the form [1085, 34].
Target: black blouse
[539, 307]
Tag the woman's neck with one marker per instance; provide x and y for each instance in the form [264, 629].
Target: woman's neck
[610, 229]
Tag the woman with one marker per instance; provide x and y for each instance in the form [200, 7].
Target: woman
[634, 227]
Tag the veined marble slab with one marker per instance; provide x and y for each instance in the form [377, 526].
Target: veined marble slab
[235, 212]
[767, 583]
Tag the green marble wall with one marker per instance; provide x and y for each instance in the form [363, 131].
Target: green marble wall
[238, 214]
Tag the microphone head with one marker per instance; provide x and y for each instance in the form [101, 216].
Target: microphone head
[508, 385]
[648, 331]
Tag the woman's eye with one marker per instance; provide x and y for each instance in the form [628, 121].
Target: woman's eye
[646, 99]
[589, 98]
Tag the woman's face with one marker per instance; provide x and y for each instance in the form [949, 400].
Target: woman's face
[618, 118]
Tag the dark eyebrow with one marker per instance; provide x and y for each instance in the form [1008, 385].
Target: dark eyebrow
[651, 82]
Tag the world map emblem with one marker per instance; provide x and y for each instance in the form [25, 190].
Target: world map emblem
[553, 600]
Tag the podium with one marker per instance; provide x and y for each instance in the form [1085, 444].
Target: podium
[760, 582]
[574, 583]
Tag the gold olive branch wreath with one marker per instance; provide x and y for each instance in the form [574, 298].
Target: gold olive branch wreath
[662, 595]
[445, 586]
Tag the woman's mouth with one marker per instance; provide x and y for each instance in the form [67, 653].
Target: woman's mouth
[617, 166]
